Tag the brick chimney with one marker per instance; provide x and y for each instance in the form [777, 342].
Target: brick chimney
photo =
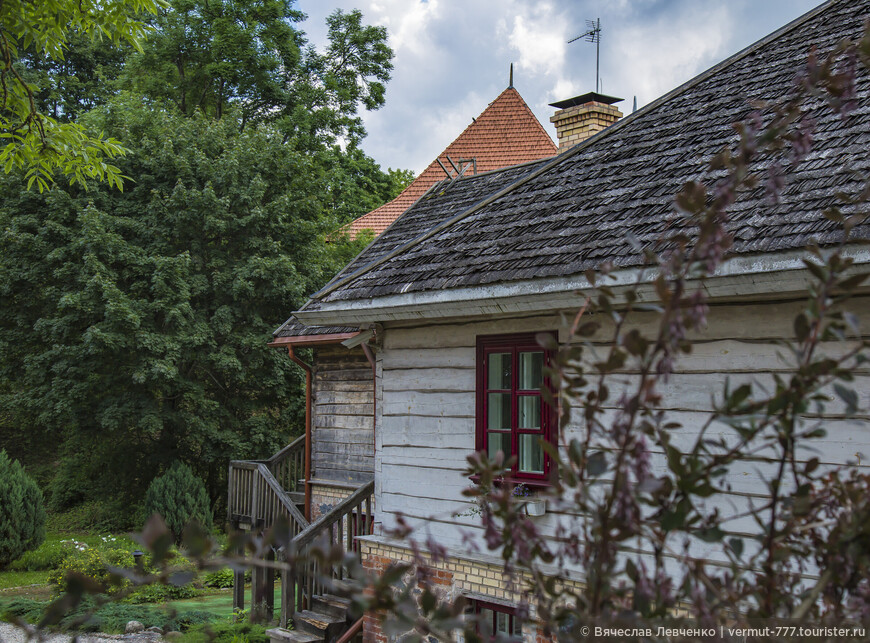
[578, 118]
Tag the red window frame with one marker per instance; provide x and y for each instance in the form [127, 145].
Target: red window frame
[514, 344]
[476, 607]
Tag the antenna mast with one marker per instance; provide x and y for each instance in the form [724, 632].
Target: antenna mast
[593, 34]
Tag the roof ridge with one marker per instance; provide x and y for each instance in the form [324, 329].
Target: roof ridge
[775, 35]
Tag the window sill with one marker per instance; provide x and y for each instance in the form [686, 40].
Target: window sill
[534, 484]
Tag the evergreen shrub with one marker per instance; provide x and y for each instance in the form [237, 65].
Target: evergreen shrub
[179, 497]
[22, 516]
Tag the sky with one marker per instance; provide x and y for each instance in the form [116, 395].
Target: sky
[452, 57]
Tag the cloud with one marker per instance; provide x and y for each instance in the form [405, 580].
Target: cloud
[656, 55]
[538, 35]
[452, 56]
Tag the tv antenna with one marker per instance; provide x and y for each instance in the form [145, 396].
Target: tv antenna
[593, 34]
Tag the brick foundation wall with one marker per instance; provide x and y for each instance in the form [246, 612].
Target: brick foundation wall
[325, 497]
[451, 578]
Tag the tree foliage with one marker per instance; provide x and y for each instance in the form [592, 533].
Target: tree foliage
[35, 142]
[178, 497]
[22, 517]
[136, 323]
[206, 56]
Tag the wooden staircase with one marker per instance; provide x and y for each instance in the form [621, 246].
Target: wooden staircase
[325, 622]
[264, 491]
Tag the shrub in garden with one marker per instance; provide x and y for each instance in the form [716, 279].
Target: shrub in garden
[220, 579]
[22, 516]
[92, 563]
[179, 497]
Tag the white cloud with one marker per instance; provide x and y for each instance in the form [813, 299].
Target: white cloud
[656, 56]
[452, 56]
[538, 35]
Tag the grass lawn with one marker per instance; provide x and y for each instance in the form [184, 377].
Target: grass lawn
[10, 579]
[218, 604]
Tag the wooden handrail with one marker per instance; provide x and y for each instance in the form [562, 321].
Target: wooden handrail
[341, 525]
[298, 443]
[310, 533]
[353, 631]
[289, 505]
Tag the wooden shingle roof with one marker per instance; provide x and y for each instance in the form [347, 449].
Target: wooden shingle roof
[573, 213]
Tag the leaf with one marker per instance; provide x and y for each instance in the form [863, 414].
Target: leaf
[736, 545]
[596, 464]
[710, 534]
[672, 520]
[849, 396]
[801, 327]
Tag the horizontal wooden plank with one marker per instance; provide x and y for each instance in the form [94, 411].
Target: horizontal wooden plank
[441, 404]
[360, 374]
[397, 358]
[429, 379]
[344, 409]
[335, 421]
[351, 462]
[341, 385]
[338, 435]
[343, 397]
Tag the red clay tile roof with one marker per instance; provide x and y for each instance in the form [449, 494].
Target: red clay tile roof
[506, 133]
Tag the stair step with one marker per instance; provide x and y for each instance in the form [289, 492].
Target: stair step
[280, 635]
[325, 625]
[298, 497]
[331, 604]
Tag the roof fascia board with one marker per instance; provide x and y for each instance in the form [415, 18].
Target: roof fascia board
[773, 275]
[334, 285]
[311, 340]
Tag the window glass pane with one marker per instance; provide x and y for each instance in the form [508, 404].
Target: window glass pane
[496, 442]
[529, 407]
[499, 375]
[531, 371]
[502, 623]
[498, 411]
[531, 454]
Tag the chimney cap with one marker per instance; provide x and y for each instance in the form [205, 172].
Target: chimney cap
[586, 98]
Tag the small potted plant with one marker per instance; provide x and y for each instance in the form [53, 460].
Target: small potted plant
[533, 505]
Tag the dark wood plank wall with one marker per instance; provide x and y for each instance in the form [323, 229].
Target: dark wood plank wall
[343, 423]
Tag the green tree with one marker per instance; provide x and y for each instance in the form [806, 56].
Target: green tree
[39, 144]
[206, 56]
[22, 517]
[179, 497]
[83, 79]
[135, 324]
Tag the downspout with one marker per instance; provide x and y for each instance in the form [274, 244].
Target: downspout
[307, 370]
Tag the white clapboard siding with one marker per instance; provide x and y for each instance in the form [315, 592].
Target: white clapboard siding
[426, 411]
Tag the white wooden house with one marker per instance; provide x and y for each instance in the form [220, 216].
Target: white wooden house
[448, 299]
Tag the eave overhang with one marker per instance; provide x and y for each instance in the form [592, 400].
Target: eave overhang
[311, 340]
[744, 277]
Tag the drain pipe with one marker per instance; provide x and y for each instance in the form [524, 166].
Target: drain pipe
[307, 370]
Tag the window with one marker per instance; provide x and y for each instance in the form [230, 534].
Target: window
[495, 619]
[511, 414]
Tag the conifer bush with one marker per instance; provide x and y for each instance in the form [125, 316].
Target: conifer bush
[179, 497]
[22, 515]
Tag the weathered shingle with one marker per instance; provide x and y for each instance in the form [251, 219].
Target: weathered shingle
[575, 213]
